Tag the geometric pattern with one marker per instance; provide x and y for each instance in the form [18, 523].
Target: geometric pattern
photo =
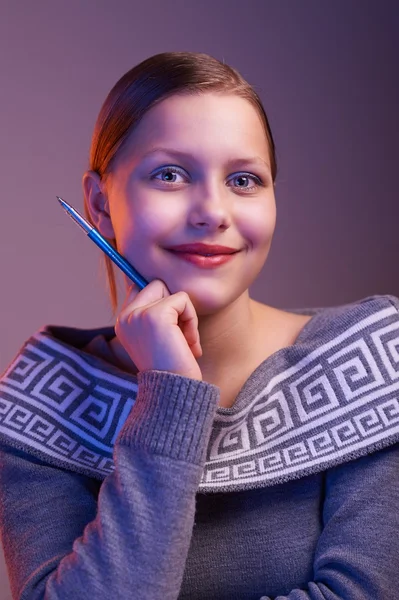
[326, 400]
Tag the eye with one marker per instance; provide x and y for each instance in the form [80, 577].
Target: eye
[168, 170]
[240, 176]
[247, 176]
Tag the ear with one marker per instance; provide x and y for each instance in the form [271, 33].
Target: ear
[97, 203]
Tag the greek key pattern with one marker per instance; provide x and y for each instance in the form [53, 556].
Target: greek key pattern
[53, 401]
[339, 400]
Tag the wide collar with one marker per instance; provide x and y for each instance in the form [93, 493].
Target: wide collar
[330, 398]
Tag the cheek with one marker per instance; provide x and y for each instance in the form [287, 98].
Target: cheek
[258, 224]
[143, 226]
[155, 220]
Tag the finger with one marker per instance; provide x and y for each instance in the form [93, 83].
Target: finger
[192, 336]
[179, 310]
[154, 291]
[176, 309]
[188, 323]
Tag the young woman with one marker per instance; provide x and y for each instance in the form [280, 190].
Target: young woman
[208, 446]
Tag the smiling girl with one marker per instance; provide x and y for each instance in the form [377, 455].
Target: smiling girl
[220, 192]
[208, 446]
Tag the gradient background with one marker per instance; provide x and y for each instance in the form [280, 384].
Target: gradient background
[327, 73]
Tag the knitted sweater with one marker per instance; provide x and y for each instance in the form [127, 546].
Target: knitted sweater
[116, 486]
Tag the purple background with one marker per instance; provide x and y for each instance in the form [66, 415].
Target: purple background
[327, 73]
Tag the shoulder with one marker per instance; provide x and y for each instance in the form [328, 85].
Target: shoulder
[368, 314]
[363, 315]
[286, 327]
[394, 300]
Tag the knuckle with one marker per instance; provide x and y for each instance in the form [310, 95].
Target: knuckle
[148, 315]
[183, 295]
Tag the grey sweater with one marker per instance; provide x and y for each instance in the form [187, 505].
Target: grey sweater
[113, 486]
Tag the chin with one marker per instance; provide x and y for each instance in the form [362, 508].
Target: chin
[208, 299]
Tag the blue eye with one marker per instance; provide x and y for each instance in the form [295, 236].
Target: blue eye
[177, 170]
[168, 170]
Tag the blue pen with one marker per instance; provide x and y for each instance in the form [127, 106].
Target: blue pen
[105, 246]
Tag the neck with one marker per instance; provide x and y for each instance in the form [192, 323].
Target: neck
[227, 337]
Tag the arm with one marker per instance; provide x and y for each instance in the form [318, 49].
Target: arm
[357, 555]
[60, 543]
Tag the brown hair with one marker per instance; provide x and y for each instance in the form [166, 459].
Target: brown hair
[147, 84]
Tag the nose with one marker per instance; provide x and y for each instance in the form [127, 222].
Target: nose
[210, 208]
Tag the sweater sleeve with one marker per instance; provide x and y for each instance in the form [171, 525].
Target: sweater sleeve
[63, 541]
[357, 555]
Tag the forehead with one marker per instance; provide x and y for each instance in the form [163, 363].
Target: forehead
[204, 109]
[209, 122]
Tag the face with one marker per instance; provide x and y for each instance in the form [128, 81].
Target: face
[209, 192]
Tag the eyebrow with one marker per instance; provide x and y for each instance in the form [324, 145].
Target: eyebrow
[230, 163]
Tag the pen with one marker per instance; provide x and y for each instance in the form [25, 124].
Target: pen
[105, 246]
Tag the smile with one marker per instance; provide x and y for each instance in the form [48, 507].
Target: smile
[204, 261]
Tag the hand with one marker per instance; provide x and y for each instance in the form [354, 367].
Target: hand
[159, 330]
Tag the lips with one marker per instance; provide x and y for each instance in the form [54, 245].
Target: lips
[203, 253]
[204, 262]
[203, 249]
